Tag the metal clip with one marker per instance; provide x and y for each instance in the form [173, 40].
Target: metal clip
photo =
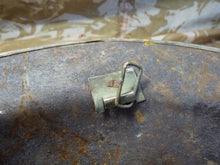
[119, 89]
[117, 100]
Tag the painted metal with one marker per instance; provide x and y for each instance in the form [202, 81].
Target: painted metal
[47, 114]
[119, 89]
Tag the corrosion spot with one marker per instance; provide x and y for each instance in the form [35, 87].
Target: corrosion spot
[113, 83]
[173, 68]
[158, 61]
[6, 71]
[57, 53]
[81, 36]
[181, 72]
[82, 150]
[149, 43]
[139, 116]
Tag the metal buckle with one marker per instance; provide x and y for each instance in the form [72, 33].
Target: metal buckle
[119, 89]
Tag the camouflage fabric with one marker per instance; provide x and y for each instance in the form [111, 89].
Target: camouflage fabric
[28, 23]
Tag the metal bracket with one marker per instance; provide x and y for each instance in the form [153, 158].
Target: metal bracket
[119, 89]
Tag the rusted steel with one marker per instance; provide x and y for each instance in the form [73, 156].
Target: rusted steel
[113, 83]
[107, 98]
[47, 114]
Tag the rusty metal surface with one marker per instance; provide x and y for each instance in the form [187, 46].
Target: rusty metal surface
[47, 115]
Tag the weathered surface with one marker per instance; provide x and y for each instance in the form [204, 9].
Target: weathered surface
[47, 115]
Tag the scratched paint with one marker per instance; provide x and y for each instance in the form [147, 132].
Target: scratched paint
[51, 118]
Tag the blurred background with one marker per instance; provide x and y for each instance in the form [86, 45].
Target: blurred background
[28, 23]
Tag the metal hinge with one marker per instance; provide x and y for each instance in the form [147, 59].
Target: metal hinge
[119, 89]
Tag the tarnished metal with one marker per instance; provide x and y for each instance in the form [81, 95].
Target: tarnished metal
[113, 83]
[135, 88]
[47, 114]
[105, 97]
[183, 44]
